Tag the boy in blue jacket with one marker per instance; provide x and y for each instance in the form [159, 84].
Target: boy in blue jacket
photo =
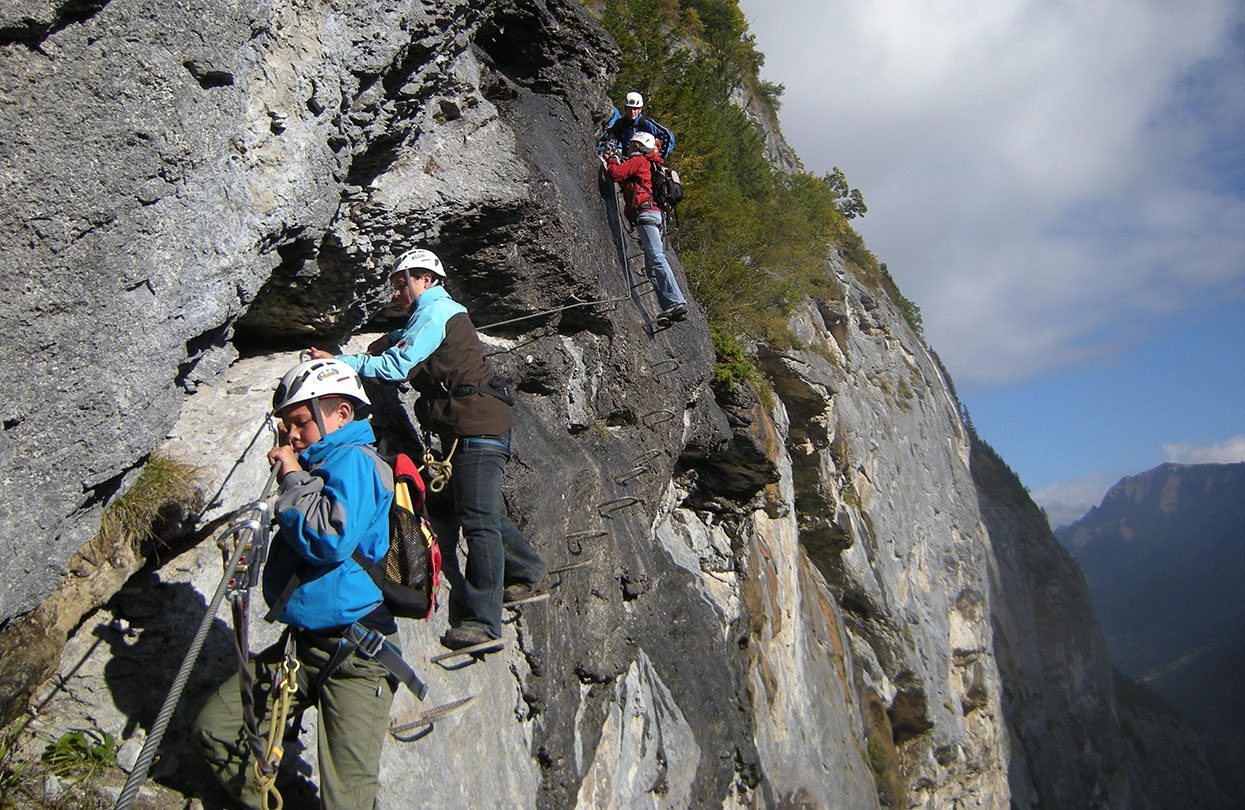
[334, 498]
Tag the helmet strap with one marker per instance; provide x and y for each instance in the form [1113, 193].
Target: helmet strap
[410, 284]
[315, 411]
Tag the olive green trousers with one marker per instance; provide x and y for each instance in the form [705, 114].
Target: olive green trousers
[353, 707]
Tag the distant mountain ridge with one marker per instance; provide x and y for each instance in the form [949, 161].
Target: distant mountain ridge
[1164, 557]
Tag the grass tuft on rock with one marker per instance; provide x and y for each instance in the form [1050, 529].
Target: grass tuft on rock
[165, 491]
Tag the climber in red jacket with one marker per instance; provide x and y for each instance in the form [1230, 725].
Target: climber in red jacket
[635, 174]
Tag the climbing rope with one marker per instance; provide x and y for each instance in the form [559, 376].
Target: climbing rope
[212, 501]
[264, 769]
[554, 310]
[439, 472]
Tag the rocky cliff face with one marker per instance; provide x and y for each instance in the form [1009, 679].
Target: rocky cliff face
[824, 597]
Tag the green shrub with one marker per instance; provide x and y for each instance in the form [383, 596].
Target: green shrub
[733, 364]
[135, 517]
[81, 753]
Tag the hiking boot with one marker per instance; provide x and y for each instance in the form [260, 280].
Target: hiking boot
[677, 313]
[465, 636]
[524, 590]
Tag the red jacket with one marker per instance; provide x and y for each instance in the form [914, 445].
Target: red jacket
[636, 177]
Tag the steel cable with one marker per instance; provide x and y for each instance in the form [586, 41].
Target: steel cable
[139, 773]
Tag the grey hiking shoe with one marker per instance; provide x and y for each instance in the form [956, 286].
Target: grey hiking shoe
[524, 590]
[465, 636]
[677, 313]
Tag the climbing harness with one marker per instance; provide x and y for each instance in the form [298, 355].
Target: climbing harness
[497, 387]
[369, 643]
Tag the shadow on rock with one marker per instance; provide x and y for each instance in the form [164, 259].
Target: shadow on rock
[162, 620]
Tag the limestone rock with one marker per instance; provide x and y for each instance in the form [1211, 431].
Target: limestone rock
[829, 598]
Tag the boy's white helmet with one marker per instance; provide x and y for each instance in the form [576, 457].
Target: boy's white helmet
[418, 259]
[318, 378]
[645, 140]
[634, 100]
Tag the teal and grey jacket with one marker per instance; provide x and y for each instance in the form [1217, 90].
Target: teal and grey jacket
[339, 501]
[413, 343]
[439, 352]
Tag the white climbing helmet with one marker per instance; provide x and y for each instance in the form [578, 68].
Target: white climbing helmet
[634, 100]
[318, 378]
[418, 259]
[645, 140]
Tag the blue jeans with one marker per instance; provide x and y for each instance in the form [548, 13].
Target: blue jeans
[648, 226]
[497, 552]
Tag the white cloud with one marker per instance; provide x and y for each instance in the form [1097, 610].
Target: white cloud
[1227, 452]
[1039, 174]
[1068, 501]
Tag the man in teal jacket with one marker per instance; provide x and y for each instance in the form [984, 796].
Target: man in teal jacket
[469, 408]
[334, 498]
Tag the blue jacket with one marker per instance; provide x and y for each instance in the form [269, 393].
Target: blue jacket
[412, 344]
[621, 129]
[342, 503]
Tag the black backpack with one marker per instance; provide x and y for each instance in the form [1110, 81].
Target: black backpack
[409, 574]
[667, 189]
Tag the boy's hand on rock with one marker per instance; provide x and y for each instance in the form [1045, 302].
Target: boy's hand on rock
[286, 457]
[319, 354]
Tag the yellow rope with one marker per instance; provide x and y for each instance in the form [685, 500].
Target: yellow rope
[266, 783]
[439, 472]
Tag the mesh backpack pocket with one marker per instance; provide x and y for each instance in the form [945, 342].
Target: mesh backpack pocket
[410, 572]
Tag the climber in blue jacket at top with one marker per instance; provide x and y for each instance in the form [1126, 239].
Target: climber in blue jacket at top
[622, 127]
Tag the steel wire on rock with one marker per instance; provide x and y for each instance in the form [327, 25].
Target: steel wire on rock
[139, 773]
[553, 311]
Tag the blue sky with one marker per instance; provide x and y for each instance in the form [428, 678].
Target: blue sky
[1061, 188]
